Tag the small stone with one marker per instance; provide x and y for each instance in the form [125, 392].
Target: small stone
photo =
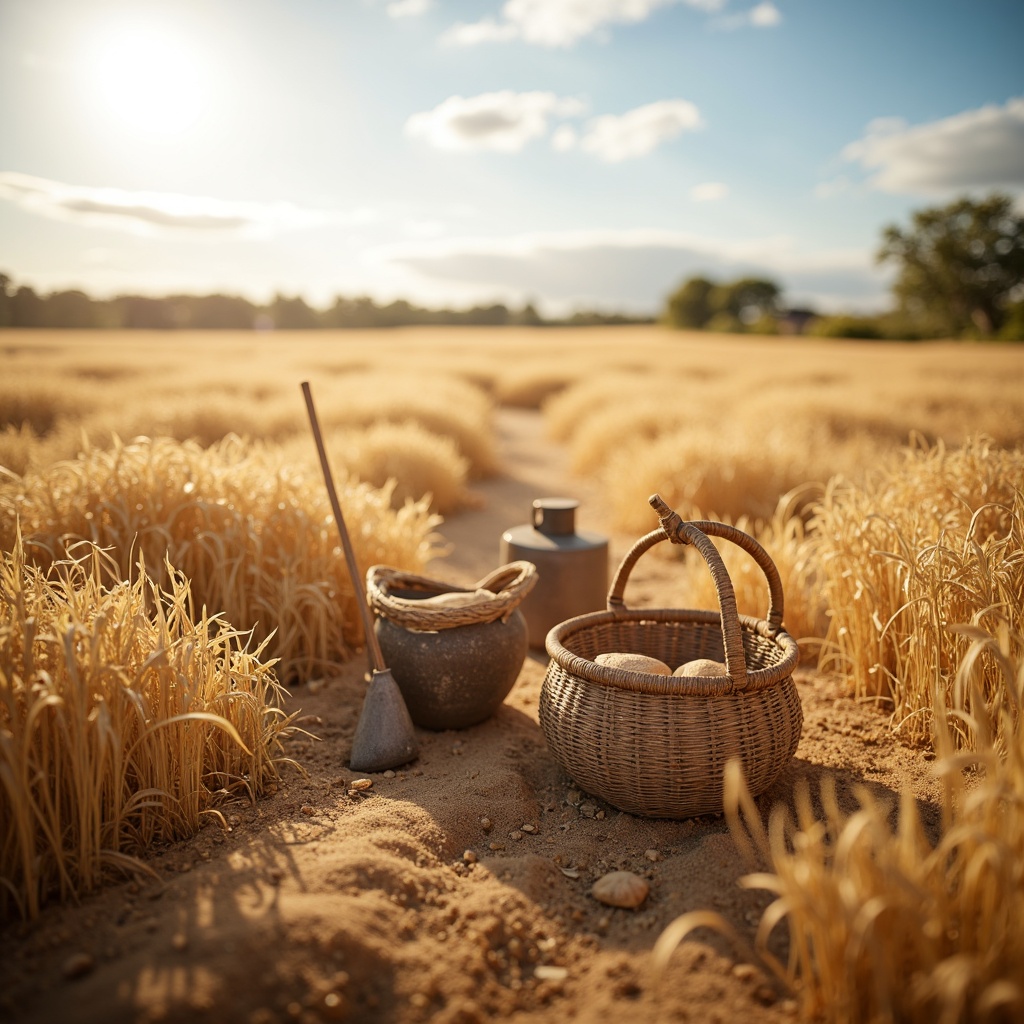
[652, 855]
[179, 941]
[548, 972]
[78, 965]
[497, 846]
[486, 824]
[307, 809]
[389, 774]
[515, 834]
[745, 972]
[334, 1005]
[621, 889]
[528, 828]
[573, 797]
[360, 784]
[469, 857]
[588, 809]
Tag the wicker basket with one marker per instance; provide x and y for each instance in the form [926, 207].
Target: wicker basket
[398, 596]
[658, 745]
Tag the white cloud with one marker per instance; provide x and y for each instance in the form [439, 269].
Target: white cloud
[485, 31]
[564, 138]
[504, 121]
[764, 15]
[709, 191]
[633, 270]
[639, 131]
[409, 8]
[161, 212]
[977, 149]
[561, 22]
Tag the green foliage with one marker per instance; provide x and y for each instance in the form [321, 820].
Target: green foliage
[1013, 325]
[847, 327]
[724, 322]
[747, 299]
[736, 306]
[689, 306]
[960, 266]
[23, 307]
[764, 324]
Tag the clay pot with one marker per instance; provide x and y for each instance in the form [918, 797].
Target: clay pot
[454, 678]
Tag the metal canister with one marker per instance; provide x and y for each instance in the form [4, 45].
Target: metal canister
[572, 566]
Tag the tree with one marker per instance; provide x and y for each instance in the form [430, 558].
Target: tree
[27, 308]
[291, 314]
[960, 266]
[5, 300]
[700, 304]
[748, 299]
[69, 309]
[689, 306]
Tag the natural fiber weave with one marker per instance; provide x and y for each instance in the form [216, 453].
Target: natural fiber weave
[398, 596]
[658, 745]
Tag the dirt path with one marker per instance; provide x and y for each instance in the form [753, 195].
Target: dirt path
[454, 890]
[532, 467]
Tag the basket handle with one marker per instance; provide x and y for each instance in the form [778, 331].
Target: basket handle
[513, 581]
[732, 633]
[673, 528]
[676, 530]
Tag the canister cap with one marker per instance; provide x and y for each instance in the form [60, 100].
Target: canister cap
[555, 516]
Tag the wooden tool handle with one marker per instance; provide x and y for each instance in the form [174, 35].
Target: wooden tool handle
[372, 644]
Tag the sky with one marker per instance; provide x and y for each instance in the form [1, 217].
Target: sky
[576, 154]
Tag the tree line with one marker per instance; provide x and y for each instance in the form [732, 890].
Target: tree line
[22, 306]
[959, 274]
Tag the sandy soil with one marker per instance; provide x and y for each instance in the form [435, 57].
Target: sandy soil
[422, 897]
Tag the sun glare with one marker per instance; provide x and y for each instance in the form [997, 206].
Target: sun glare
[147, 80]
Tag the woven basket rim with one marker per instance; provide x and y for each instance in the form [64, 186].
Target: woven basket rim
[731, 624]
[510, 584]
[558, 637]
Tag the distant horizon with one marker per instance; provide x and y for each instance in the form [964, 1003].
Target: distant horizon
[457, 153]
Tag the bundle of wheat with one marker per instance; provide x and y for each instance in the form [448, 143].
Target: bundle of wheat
[410, 460]
[251, 530]
[934, 536]
[440, 403]
[123, 719]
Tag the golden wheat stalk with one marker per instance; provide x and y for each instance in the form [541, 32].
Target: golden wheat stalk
[253, 533]
[123, 719]
[884, 926]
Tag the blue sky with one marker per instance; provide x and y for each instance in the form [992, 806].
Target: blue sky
[572, 153]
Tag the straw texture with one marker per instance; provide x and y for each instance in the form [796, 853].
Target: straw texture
[657, 745]
[398, 596]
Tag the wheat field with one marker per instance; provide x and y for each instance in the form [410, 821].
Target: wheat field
[149, 481]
